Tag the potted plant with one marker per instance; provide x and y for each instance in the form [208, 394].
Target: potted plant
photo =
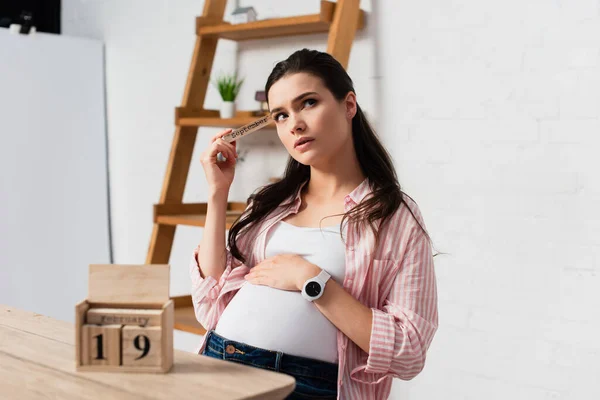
[228, 87]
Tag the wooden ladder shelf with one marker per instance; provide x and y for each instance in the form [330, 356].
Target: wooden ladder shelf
[340, 20]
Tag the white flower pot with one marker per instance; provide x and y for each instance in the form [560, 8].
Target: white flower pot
[227, 109]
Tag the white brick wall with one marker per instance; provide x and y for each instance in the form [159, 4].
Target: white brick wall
[491, 111]
[502, 104]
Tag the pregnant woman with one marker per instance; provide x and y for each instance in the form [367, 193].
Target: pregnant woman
[328, 275]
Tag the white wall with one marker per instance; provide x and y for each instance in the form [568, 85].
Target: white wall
[491, 111]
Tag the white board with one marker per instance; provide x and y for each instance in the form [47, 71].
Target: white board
[54, 214]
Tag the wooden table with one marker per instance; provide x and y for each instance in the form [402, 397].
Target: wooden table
[37, 360]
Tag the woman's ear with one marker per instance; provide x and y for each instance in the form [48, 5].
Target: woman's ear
[351, 106]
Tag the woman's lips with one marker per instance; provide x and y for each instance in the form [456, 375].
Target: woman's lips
[304, 146]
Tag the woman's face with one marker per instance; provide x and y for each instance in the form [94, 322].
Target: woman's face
[303, 108]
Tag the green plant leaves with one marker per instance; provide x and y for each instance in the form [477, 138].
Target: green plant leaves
[228, 86]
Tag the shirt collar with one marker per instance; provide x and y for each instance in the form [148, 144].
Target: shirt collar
[360, 192]
[355, 197]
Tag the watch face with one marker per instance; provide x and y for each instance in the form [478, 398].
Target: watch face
[313, 289]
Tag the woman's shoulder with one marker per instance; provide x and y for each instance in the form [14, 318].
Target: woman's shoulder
[407, 216]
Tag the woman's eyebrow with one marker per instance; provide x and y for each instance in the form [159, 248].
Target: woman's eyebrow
[298, 98]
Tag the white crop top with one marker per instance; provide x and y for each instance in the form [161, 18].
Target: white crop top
[282, 320]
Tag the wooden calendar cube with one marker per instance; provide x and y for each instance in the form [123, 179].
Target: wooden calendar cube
[126, 323]
[101, 345]
[141, 346]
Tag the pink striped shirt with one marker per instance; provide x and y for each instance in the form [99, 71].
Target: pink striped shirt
[399, 286]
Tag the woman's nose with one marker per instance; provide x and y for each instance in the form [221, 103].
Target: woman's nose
[298, 125]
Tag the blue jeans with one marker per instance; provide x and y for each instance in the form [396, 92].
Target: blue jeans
[315, 379]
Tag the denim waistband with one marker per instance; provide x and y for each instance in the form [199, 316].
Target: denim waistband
[274, 360]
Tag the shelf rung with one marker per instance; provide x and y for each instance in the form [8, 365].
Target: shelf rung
[193, 214]
[194, 220]
[186, 117]
[235, 122]
[275, 27]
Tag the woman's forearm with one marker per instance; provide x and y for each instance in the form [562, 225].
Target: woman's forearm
[212, 254]
[349, 315]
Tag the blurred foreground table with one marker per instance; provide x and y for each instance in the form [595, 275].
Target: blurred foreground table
[37, 360]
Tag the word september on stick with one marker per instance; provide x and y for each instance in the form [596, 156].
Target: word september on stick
[247, 129]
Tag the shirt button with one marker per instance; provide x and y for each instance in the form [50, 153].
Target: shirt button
[340, 382]
[349, 281]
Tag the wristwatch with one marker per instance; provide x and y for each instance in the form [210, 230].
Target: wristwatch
[313, 288]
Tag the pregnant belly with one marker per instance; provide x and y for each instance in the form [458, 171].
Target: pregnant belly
[278, 320]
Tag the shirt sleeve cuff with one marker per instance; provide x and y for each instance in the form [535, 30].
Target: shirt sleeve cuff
[381, 350]
[202, 288]
[381, 346]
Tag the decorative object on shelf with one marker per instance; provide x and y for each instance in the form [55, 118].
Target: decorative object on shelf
[228, 87]
[27, 22]
[31, 16]
[14, 28]
[19, 29]
[23, 25]
[261, 97]
[242, 15]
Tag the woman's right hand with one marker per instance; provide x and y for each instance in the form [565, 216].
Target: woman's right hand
[219, 174]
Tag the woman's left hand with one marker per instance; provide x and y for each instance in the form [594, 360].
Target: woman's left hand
[283, 271]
